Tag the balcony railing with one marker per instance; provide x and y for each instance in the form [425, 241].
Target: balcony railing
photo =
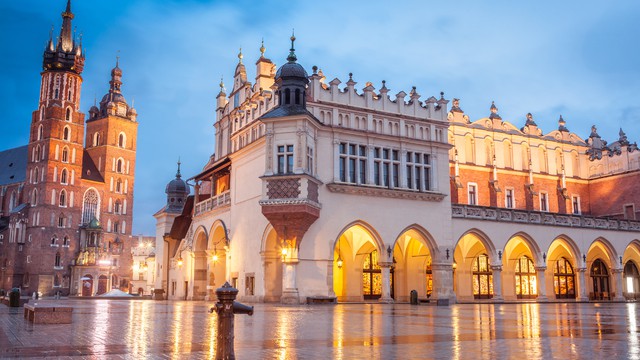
[216, 202]
[541, 218]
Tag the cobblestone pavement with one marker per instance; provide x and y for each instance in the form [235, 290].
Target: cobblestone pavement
[118, 329]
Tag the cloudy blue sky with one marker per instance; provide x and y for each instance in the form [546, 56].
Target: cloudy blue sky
[576, 58]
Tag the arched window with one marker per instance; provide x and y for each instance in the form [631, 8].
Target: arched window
[36, 154]
[65, 241]
[508, 154]
[65, 154]
[89, 206]
[371, 277]
[55, 93]
[36, 175]
[120, 166]
[63, 198]
[469, 150]
[297, 97]
[564, 280]
[575, 164]
[632, 280]
[542, 159]
[428, 277]
[600, 278]
[96, 139]
[482, 277]
[63, 176]
[119, 186]
[61, 221]
[559, 161]
[40, 132]
[68, 114]
[54, 241]
[58, 261]
[287, 96]
[526, 284]
[34, 198]
[117, 207]
[122, 140]
[66, 133]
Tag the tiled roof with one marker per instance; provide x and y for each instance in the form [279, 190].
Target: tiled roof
[89, 168]
[13, 165]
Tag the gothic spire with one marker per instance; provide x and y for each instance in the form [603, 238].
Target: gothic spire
[66, 38]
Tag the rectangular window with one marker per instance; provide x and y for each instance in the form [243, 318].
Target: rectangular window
[473, 193]
[544, 201]
[629, 212]
[386, 165]
[309, 160]
[285, 159]
[353, 163]
[575, 202]
[249, 284]
[509, 202]
[418, 171]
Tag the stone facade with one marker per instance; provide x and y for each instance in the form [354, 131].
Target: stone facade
[320, 190]
[67, 216]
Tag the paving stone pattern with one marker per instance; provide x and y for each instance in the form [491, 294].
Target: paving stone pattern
[118, 329]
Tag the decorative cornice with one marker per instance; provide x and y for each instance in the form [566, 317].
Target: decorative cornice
[382, 192]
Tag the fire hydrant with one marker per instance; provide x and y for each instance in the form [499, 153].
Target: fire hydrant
[226, 307]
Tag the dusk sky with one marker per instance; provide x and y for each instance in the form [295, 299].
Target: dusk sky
[575, 58]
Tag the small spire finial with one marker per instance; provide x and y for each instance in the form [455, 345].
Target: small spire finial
[178, 173]
[292, 52]
[221, 84]
[262, 48]
[240, 56]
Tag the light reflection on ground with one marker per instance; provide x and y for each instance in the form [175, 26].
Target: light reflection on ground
[161, 329]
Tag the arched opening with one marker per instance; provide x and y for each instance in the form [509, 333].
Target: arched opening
[87, 285]
[96, 139]
[40, 132]
[297, 100]
[102, 284]
[412, 265]
[200, 266]
[34, 197]
[632, 281]
[68, 115]
[63, 176]
[519, 264]
[63, 198]
[66, 133]
[473, 277]
[120, 166]
[90, 206]
[356, 275]
[121, 140]
[65, 154]
[272, 262]
[600, 281]
[217, 260]
[562, 257]
[287, 96]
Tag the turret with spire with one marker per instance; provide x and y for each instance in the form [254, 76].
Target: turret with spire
[292, 80]
[66, 55]
[177, 191]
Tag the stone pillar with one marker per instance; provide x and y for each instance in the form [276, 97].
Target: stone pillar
[617, 273]
[289, 285]
[541, 283]
[386, 283]
[497, 283]
[582, 284]
[442, 282]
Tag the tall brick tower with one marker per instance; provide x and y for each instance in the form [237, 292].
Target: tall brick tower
[54, 165]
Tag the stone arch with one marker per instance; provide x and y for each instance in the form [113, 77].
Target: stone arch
[518, 248]
[569, 245]
[355, 243]
[414, 252]
[606, 249]
[531, 244]
[271, 251]
[217, 232]
[217, 248]
[563, 259]
[471, 245]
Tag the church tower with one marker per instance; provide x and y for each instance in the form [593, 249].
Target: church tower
[55, 148]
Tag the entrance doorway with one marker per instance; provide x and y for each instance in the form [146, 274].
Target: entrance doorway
[102, 285]
[600, 278]
[87, 285]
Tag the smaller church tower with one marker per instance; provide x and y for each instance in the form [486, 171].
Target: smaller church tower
[177, 191]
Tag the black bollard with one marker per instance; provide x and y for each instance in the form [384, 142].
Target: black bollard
[226, 307]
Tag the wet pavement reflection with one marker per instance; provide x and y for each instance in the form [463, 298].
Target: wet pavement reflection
[114, 329]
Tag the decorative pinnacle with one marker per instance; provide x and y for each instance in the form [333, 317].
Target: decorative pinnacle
[221, 84]
[292, 52]
[240, 56]
[262, 49]
[178, 176]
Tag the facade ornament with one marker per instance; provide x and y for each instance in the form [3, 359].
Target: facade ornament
[494, 112]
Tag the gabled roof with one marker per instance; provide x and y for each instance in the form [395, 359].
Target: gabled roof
[89, 169]
[282, 111]
[13, 165]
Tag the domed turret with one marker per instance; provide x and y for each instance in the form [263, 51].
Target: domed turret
[292, 80]
[177, 191]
